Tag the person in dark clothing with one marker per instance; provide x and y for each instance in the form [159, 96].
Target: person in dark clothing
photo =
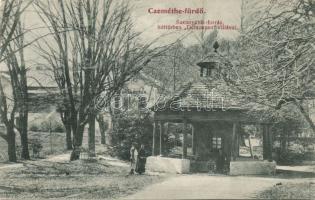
[220, 162]
[141, 160]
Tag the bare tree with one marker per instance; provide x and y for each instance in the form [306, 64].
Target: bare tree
[97, 52]
[17, 70]
[275, 64]
[11, 41]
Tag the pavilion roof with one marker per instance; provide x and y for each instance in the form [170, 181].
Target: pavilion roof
[204, 95]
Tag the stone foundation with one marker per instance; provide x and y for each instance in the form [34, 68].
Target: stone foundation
[168, 165]
[202, 166]
[252, 167]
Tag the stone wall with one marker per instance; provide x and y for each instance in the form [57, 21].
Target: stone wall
[168, 165]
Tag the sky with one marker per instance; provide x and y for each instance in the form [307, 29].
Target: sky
[228, 11]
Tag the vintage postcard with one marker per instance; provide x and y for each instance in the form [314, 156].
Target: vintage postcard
[157, 99]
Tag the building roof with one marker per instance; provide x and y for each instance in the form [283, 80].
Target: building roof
[36, 78]
[149, 80]
[43, 91]
[204, 95]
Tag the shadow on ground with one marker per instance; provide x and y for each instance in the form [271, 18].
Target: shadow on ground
[288, 174]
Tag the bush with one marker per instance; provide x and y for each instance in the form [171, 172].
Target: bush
[131, 127]
[291, 157]
[45, 126]
[128, 129]
[34, 127]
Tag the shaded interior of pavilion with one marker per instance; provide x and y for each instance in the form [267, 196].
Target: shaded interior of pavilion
[200, 141]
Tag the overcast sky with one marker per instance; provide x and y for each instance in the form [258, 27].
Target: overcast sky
[228, 11]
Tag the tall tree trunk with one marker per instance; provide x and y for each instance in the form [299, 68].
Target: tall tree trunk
[68, 136]
[91, 135]
[75, 154]
[103, 133]
[110, 123]
[77, 142]
[67, 123]
[11, 142]
[76, 129]
[103, 127]
[23, 118]
[109, 135]
[23, 110]
[66, 120]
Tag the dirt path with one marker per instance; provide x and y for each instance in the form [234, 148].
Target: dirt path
[208, 187]
[302, 168]
[198, 186]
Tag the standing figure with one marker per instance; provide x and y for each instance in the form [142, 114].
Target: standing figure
[133, 158]
[141, 160]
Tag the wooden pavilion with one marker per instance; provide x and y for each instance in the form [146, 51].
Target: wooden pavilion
[214, 114]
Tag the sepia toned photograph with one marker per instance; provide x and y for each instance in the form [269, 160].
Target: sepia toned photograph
[157, 99]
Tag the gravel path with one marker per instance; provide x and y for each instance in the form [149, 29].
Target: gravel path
[204, 186]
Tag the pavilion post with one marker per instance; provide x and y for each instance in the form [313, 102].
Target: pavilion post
[267, 141]
[193, 146]
[165, 133]
[270, 142]
[263, 133]
[153, 137]
[161, 137]
[238, 145]
[233, 145]
[167, 125]
[184, 155]
[238, 141]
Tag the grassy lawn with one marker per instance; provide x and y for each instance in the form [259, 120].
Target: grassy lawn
[304, 190]
[79, 180]
[53, 143]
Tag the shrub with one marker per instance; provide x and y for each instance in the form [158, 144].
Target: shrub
[138, 128]
[291, 157]
[45, 126]
[34, 127]
[131, 127]
[128, 129]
